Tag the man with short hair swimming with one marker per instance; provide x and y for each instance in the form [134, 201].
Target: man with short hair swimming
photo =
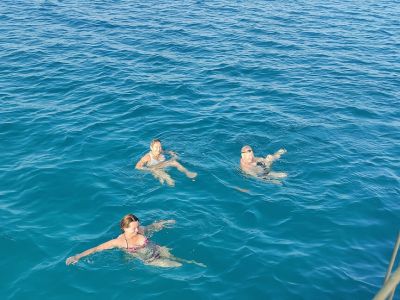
[260, 167]
[155, 162]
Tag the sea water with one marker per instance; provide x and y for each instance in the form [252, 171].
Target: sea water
[86, 85]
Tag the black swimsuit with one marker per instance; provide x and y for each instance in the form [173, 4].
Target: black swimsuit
[265, 168]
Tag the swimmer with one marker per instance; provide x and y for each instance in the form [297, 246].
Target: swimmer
[155, 162]
[260, 167]
[134, 241]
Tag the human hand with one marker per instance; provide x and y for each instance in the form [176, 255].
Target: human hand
[71, 260]
[281, 151]
[166, 223]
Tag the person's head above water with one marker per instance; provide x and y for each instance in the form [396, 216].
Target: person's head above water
[247, 154]
[129, 224]
[155, 147]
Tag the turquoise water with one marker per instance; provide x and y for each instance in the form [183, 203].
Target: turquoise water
[86, 85]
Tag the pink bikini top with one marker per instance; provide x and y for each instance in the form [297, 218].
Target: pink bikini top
[135, 248]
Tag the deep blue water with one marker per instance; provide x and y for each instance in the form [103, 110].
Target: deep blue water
[86, 85]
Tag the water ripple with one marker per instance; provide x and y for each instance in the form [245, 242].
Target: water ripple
[84, 87]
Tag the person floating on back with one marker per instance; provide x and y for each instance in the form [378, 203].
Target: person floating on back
[134, 241]
[260, 167]
[155, 162]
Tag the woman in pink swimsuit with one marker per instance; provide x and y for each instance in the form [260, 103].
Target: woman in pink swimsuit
[133, 240]
[155, 162]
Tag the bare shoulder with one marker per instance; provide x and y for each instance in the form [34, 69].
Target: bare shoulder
[120, 241]
[143, 161]
[146, 157]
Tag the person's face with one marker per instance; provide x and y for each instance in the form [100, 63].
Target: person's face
[132, 228]
[248, 155]
[156, 149]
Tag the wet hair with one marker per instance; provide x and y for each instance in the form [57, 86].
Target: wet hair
[154, 141]
[126, 220]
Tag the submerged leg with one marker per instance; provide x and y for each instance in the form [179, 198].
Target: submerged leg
[164, 263]
[176, 164]
[164, 253]
[271, 179]
[274, 181]
[277, 174]
[163, 176]
[190, 262]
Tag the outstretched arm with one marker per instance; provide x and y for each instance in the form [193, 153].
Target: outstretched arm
[157, 226]
[271, 158]
[105, 246]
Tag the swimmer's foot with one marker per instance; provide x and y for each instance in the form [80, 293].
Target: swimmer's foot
[196, 263]
[242, 190]
[191, 175]
[190, 262]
